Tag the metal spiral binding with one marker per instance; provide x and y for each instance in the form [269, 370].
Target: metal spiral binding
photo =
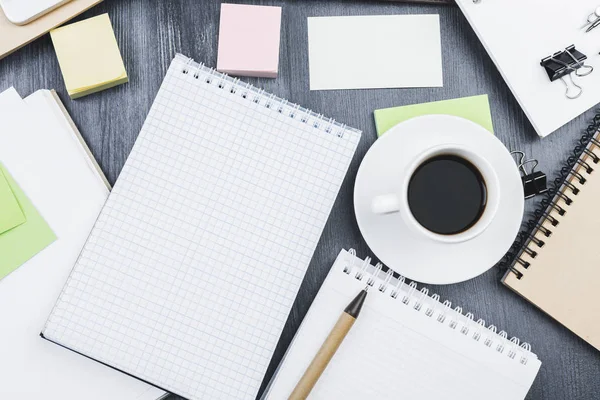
[573, 177]
[235, 87]
[396, 287]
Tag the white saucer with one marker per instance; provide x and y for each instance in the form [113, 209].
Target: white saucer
[402, 248]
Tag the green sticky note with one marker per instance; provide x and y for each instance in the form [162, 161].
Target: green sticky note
[19, 244]
[11, 214]
[475, 108]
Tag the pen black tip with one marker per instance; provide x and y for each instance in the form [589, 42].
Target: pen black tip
[353, 309]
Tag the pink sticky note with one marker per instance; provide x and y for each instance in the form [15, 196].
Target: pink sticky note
[249, 40]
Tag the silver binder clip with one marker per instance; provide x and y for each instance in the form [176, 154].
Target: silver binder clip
[571, 93]
[582, 69]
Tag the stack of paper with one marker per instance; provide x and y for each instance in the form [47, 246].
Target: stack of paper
[89, 56]
[44, 153]
[249, 40]
[474, 108]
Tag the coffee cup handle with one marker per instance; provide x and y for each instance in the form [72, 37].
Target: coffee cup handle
[385, 204]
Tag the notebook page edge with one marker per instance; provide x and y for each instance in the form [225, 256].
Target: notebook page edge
[77, 135]
[76, 263]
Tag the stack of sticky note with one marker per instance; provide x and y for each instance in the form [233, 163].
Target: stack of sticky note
[249, 40]
[23, 231]
[89, 56]
[474, 108]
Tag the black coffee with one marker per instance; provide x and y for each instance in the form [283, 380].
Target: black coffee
[447, 194]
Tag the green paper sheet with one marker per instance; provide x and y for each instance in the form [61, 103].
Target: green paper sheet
[11, 214]
[475, 108]
[21, 243]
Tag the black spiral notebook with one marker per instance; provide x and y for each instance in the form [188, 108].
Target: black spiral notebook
[559, 250]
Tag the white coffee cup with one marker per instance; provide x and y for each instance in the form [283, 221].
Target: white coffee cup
[397, 201]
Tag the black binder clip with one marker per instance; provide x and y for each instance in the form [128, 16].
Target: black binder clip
[534, 182]
[565, 63]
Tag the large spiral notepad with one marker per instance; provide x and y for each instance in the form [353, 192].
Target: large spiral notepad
[190, 272]
[406, 344]
[559, 252]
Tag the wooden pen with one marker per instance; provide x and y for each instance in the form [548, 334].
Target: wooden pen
[329, 347]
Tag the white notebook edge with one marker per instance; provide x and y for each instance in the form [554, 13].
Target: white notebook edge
[465, 6]
[488, 50]
[378, 279]
[152, 392]
[190, 65]
[53, 99]
[79, 137]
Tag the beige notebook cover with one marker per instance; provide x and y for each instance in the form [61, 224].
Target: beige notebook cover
[13, 37]
[558, 270]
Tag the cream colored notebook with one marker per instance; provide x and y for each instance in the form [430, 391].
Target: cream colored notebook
[560, 252]
[13, 37]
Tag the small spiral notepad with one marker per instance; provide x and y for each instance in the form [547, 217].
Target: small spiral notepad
[558, 251]
[406, 344]
[190, 272]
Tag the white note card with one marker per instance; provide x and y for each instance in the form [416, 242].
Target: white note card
[380, 51]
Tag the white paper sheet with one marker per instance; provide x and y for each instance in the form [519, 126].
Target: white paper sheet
[47, 161]
[519, 34]
[385, 51]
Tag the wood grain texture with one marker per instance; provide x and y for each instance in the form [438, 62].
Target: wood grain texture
[318, 364]
[151, 32]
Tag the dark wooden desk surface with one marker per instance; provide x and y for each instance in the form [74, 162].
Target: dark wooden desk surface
[151, 32]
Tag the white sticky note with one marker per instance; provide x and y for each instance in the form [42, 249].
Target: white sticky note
[384, 51]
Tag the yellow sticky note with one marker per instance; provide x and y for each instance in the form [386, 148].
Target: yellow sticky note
[89, 56]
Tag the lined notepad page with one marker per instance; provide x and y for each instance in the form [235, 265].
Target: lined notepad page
[193, 265]
[404, 345]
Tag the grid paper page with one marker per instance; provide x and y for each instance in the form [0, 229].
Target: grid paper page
[409, 346]
[193, 265]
